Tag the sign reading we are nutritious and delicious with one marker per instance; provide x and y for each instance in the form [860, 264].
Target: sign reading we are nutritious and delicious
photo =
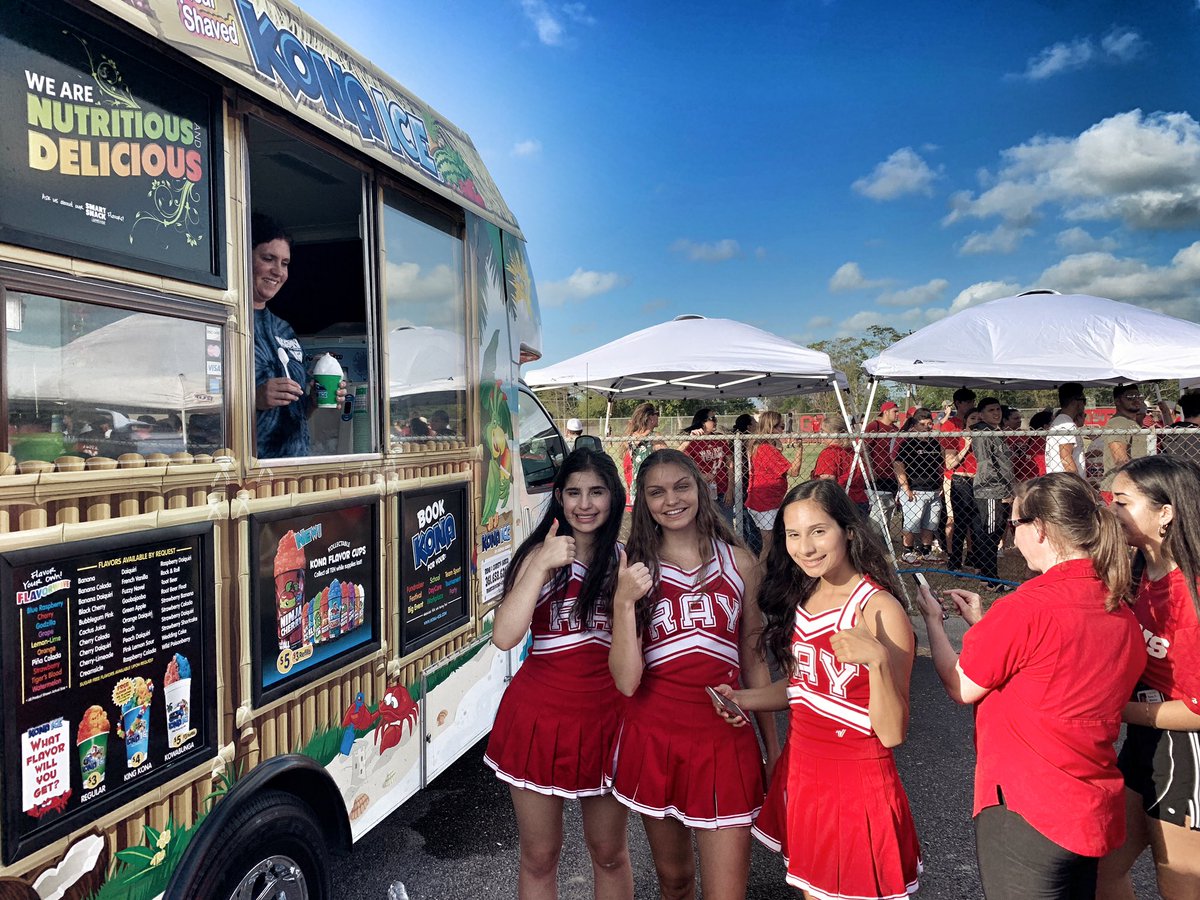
[103, 154]
[109, 655]
[316, 592]
[434, 540]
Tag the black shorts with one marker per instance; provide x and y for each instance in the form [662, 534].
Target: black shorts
[1164, 768]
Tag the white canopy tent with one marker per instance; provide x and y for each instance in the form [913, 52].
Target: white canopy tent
[1041, 339]
[692, 356]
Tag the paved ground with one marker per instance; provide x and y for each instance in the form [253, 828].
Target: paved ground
[457, 839]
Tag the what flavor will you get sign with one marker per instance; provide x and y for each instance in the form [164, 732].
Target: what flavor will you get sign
[108, 648]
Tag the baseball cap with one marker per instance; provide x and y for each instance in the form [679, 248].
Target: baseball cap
[888, 405]
[574, 425]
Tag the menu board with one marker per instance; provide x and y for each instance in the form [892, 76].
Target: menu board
[112, 154]
[109, 655]
[315, 597]
[433, 552]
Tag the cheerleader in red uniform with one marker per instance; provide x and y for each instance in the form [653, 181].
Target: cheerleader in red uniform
[1157, 500]
[836, 809]
[677, 762]
[558, 720]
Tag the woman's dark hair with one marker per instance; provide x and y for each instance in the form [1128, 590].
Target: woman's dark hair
[920, 414]
[595, 594]
[645, 535]
[785, 586]
[1041, 419]
[1075, 518]
[1170, 480]
[743, 424]
[701, 416]
[264, 229]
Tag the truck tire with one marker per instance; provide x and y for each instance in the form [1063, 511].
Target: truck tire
[272, 849]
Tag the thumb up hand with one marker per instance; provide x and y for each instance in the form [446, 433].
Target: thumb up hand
[633, 581]
[557, 550]
[857, 645]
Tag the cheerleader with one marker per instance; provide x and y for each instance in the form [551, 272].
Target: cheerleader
[559, 718]
[1157, 500]
[836, 809]
[677, 762]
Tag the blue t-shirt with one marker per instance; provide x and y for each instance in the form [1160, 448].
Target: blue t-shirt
[282, 431]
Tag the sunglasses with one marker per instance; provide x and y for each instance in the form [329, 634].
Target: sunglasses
[1024, 520]
[711, 419]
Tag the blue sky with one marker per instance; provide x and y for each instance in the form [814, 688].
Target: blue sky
[816, 167]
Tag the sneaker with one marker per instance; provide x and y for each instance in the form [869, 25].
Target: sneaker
[910, 557]
[935, 554]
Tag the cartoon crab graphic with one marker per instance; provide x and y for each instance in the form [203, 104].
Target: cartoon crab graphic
[396, 709]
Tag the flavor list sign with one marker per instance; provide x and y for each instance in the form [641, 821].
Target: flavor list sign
[316, 592]
[113, 157]
[109, 649]
[433, 585]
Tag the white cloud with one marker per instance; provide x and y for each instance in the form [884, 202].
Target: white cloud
[920, 295]
[760, 252]
[718, 251]
[1060, 57]
[429, 296]
[1004, 238]
[982, 292]
[1121, 45]
[904, 172]
[1173, 288]
[548, 21]
[860, 322]
[817, 322]
[578, 286]
[1077, 240]
[527, 148]
[849, 277]
[1140, 169]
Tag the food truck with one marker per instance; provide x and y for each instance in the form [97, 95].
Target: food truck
[224, 663]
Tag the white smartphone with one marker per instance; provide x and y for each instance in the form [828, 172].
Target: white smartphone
[922, 581]
[730, 707]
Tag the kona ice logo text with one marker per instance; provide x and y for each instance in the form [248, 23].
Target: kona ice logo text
[430, 544]
[282, 57]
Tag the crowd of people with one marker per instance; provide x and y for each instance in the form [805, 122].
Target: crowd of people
[649, 671]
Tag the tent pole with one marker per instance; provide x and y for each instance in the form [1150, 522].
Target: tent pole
[607, 415]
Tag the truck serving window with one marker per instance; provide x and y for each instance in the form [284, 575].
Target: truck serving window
[309, 291]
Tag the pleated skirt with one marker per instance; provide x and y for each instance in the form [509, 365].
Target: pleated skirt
[843, 826]
[553, 741]
[680, 759]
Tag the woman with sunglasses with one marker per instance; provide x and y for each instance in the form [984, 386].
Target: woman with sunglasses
[1049, 669]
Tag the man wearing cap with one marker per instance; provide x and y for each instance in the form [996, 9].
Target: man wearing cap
[574, 430]
[883, 496]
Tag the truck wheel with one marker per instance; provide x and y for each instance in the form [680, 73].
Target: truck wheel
[273, 849]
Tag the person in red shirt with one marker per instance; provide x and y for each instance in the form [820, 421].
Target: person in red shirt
[1049, 669]
[769, 472]
[713, 458]
[1157, 499]
[882, 496]
[960, 468]
[836, 462]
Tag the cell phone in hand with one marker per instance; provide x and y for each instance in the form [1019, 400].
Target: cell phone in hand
[728, 705]
[923, 582]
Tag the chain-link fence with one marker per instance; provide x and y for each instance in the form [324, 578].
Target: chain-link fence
[943, 499]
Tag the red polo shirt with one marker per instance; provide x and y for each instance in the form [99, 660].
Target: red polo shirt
[836, 461]
[953, 424]
[1060, 670]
